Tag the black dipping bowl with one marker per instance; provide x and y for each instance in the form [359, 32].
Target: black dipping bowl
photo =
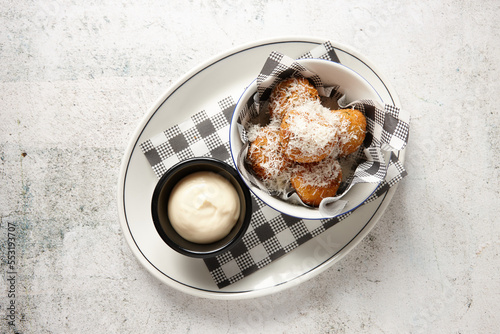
[159, 207]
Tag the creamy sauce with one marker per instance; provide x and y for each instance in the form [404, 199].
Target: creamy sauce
[203, 207]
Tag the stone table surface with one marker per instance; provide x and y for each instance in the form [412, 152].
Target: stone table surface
[77, 77]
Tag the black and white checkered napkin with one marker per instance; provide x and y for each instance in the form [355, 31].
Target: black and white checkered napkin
[271, 233]
[204, 134]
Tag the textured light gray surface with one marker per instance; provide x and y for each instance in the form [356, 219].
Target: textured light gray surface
[75, 79]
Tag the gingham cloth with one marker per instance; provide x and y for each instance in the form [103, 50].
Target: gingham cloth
[271, 234]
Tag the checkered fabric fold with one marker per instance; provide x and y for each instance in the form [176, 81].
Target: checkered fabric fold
[205, 134]
[271, 233]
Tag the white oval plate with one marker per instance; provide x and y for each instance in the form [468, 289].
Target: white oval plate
[224, 75]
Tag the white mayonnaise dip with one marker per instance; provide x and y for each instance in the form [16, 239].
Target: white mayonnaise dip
[203, 207]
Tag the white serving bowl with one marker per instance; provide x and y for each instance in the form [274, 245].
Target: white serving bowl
[355, 87]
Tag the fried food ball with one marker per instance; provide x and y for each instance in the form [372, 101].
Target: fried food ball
[306, 133]
[265, 155]
[316, 181]
[352, 132]
[290, 93]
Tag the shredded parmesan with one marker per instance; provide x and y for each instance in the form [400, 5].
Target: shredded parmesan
[290, 94]
[309, 131]
[264, 154]
[253, 131]
[300, 126]
[321, 174]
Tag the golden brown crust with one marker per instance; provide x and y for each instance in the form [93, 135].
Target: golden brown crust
[306, 147]
[316, 181]
[290, 93]
[301, 144]
[351, 139]
[265, 156]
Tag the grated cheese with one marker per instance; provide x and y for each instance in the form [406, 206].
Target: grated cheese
[266, 158]
[300, 127]
[320, 174]
[309, 132]
[289, 94]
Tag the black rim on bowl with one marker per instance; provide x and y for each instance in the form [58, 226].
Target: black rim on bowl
[159, 207]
